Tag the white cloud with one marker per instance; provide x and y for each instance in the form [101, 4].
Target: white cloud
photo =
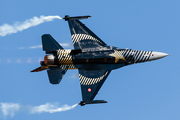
[75, 76]
[62, 44]
[66, 45]
[7, 29]
[18, 60]
[40, 46]
[29, 60]
[8, 61]
[37, 46]
[9, 109]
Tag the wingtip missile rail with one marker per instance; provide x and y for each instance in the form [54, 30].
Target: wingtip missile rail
[82, 103]
[77, 17]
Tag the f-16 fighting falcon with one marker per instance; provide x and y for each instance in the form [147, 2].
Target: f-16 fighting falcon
[93, 58]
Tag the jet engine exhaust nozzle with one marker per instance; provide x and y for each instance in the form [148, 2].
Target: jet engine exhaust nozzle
[49, 59]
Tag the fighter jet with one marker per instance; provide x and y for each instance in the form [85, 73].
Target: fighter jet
[93, 58]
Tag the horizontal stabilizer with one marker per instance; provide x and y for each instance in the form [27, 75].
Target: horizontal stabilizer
[77, 17]
[40, 69]
[55, 75]
[50, 44]
[82, 103]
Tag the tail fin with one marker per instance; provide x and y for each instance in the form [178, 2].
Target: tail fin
[50, 44]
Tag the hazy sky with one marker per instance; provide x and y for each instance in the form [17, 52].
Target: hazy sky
[146, 91]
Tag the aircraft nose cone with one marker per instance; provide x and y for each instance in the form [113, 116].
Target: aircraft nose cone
[157, 55]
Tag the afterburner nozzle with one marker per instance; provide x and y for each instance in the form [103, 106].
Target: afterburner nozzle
[49, 59]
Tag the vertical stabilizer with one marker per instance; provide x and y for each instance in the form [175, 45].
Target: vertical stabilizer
[50, 44]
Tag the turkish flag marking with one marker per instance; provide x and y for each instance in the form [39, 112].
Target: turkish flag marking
[89, 89]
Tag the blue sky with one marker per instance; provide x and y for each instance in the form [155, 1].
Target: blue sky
[143, 91]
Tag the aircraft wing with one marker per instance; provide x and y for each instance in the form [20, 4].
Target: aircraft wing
[82, 36]
[91, 81]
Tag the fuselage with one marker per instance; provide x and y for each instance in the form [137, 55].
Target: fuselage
[96, 59]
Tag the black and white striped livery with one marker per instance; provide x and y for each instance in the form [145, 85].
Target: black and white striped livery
[90, 81]
[136, 56]
[64, 57]
[79, 37]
